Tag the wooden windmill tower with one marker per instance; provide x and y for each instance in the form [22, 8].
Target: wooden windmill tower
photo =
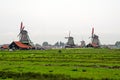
[23, 36]
[70, 42]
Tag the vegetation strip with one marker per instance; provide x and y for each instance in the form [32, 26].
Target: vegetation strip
[30, 75]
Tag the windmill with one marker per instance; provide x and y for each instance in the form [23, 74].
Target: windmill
[23, 36]
[70, 42]
[94, 40]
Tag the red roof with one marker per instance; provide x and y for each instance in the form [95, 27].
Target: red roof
[94, 45]
[21, 45]
[5, 46]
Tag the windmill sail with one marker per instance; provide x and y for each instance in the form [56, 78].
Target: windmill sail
[21, 26]
[92, 32]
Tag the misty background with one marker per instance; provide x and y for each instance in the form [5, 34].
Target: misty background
[51, 20]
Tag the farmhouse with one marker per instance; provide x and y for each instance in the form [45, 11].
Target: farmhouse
[19, 45]
[5, 46]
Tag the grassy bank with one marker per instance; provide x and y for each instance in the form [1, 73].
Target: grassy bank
[63, 64]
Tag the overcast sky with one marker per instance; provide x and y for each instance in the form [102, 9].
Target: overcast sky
[51, 20]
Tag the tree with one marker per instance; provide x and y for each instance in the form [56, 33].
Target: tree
[45, 44]
[62, 44]
[57, 44]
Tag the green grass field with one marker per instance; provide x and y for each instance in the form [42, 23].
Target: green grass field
[63, 64]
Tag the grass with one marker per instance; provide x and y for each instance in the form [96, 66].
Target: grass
[64, 64]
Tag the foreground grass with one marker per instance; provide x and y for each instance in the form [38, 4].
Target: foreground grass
[64, 64]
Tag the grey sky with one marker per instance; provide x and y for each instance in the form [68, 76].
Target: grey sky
[51, 20]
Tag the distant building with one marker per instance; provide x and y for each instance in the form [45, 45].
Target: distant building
[58, 45]
[111, 46]
[38, 46]
[5, 46]
[117, 44]
[82, 43]
[19, 45]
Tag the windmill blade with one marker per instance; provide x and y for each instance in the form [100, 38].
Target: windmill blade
[92, 31]
[18, 35]
[21, 25]
[69, 33]
[21, 30]
[66, 37]
[89, 37]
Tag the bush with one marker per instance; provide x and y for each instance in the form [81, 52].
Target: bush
[84, 70]
[75, 69]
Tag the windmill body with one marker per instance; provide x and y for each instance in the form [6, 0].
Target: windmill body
[95, 40]
[70, 42]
